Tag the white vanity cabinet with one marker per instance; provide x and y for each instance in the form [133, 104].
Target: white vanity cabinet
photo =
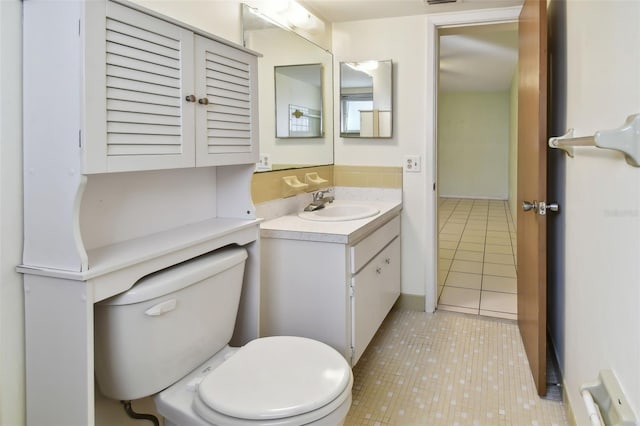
[333, 291]
[375, 283]
[140, 91]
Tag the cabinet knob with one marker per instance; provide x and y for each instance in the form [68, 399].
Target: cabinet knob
[191, 98]
[203, 101]
[378, 270]
[387, 260]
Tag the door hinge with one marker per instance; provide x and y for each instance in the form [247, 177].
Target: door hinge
[79, 27]
[353, 354]
[352, 291]
[80, 139]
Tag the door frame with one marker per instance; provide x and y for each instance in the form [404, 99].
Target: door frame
[434, 22]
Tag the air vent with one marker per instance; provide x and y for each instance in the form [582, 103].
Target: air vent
[439, 1]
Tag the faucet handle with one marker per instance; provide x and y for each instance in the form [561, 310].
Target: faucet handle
[319, 195]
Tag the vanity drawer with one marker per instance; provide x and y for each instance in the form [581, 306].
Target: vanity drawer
[366, 249]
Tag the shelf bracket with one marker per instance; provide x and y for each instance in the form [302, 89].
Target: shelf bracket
[625, 139]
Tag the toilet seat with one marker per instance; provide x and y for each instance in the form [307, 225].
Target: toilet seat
[274, 381]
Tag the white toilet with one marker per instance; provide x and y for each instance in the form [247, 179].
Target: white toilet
[168, 336]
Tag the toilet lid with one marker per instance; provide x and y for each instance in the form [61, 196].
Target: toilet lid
[276, 377]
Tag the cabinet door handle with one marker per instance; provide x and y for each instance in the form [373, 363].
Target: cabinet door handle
[378, 270]
[387, 260]
[203, 101]
[190, 98]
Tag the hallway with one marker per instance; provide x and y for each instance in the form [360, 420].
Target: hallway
[476, 258]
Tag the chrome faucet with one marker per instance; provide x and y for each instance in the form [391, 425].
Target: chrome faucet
[320, 198]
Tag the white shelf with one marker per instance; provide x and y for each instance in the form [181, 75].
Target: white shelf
[114, 268]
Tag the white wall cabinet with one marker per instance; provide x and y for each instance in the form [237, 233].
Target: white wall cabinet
[111, 87]
[332, 292]
[173, 98]
[143, 92]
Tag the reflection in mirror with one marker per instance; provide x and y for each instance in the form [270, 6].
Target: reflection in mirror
[283, 51]
[365, 99]
[298, 101]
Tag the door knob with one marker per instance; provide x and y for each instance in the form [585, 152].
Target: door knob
[203, 101]
[190, 98]
[528, 205]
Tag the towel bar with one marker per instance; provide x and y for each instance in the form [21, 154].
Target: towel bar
[625, 139]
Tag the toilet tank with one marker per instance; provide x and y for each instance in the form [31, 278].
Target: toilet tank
[167, 324]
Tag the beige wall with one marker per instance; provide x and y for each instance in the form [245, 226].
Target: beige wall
[12, 411]
[473, 144]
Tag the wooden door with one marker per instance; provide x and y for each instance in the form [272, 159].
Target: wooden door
[532, 173]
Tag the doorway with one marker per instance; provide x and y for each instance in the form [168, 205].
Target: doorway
[434, 24]
[477, 160]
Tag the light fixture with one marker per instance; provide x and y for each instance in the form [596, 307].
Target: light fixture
[365, 66]
[298, 16]
[438, 1]
[289, 14]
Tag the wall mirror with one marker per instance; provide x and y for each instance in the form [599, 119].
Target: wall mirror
[298, 101]
[289, 57]
[366, 99]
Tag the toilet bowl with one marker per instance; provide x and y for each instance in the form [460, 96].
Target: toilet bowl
[168, 336]
[270, 381]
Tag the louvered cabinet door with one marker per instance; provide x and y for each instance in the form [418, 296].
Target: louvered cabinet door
[227, 111]
[148, 76]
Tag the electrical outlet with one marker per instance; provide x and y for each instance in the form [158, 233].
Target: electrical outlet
[412, 163]
[265, 163]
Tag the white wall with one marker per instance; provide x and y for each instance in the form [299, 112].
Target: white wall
[11, 301]
[473, 144]
[221, 18]
[403, 40]
[601, 209]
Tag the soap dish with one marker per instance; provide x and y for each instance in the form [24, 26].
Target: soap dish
[291, 185]
[314, 180]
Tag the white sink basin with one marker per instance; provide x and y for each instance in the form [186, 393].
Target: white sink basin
[337, 212]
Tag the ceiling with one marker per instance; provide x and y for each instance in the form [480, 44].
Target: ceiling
[479, 58]
[471, 58]
[355, 10]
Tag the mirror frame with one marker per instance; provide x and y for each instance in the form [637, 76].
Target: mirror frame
[321, 98]
[374, 116]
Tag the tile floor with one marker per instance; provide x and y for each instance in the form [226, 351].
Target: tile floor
[476, 258]
[449, 369]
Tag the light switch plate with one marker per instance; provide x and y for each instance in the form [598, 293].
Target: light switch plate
[412, 163]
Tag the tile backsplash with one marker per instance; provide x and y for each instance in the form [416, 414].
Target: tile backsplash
[268, 186]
